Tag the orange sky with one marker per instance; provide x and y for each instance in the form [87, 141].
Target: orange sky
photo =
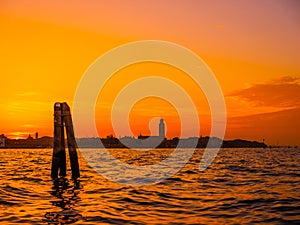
[252, 47]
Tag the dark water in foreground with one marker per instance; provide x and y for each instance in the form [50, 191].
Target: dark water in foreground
[242, 186]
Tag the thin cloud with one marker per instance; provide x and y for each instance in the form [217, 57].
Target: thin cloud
[28, 125]
[281, 127]
[29, 93]
[282, 92]
[285, 79]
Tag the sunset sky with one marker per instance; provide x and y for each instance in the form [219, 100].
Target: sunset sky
[252, 47]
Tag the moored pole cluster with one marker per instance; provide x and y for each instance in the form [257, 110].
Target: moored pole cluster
[62, 118]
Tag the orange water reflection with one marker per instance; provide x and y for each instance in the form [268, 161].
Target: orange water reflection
[241, 186]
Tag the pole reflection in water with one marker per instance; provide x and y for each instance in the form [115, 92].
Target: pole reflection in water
[66, 193]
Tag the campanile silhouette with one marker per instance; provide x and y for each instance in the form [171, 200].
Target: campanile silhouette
[162, 128]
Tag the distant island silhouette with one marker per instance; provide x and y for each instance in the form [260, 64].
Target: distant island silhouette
[141, 141]
[124, 142]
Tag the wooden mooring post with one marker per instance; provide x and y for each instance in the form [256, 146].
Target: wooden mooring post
[62, 118]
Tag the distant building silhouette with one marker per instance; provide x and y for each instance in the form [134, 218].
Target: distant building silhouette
[36, 135]
[143, 136]
[162, 131]
[29, 137]
[2, 140]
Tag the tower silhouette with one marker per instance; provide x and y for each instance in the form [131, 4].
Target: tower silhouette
[162, 128]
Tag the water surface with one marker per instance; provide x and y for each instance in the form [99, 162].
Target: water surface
[242, 186]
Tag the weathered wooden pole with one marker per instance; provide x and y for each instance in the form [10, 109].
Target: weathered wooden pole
[59, 152]
[62, 117]
[67, 119]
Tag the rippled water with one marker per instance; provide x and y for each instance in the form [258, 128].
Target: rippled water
[241, 186]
